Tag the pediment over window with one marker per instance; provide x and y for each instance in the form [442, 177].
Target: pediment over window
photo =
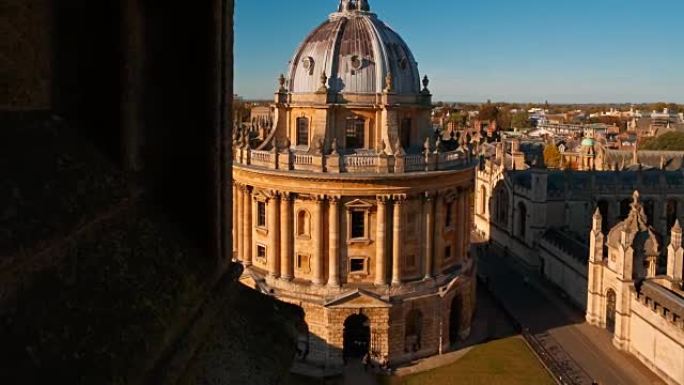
[358, 299]
[359, 204]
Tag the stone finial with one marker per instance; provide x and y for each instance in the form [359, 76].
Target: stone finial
[399, 149]
[389, 80]
[324, 83]
[662, 162]
[597, 220]
[333, 147]
[426, 83]
[281, 82]
[318, 147]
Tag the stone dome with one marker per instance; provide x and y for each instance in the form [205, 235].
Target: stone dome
[352, 53]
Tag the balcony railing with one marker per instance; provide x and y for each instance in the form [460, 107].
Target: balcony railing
[353, 163]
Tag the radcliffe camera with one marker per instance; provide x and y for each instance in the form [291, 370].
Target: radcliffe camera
[342, 192]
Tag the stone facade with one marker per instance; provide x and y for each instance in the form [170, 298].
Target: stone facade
[626, 295]
[348, 207]
[541, 216]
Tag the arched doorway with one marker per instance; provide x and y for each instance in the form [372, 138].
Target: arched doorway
[455, 320]
[356, 336]
[610, 310]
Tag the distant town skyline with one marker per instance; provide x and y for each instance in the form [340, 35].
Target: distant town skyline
[526, 51]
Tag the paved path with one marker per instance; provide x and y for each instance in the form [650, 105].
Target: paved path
[355, 375]
[583, 351]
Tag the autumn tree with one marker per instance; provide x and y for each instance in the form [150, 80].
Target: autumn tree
[552, 156]
[521, 119]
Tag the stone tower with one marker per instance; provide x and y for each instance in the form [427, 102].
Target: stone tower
[632, 252]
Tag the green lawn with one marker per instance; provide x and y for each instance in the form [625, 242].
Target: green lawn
[507, 362]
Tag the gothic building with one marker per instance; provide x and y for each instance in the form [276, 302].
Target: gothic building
[626, 295]
[541, 216]
[349, 206]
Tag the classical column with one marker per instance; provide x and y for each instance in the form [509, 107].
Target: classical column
[398, 240]
[381, 242]
[238, 220]
[286, 234]
[247, 226]
[273, 256]
[429, 203]
[334, 242]
[234, 212]
[460, 218]
[317, 238]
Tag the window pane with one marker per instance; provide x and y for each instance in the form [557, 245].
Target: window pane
[261, 217]
[354, 133]
[358, 224]
[357, 265]
[302, 131]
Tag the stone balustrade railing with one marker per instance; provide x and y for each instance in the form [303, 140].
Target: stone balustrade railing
[354, 163]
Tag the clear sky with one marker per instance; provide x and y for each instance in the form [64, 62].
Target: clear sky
[562, 51]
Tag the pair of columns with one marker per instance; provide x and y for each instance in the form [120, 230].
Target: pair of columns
[280, 250]
[397, 240]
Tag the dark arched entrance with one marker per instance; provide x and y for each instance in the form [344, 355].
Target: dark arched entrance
[356, 336]
[610, 310]
[455, 320]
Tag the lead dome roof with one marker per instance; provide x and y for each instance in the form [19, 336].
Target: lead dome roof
[355, 51]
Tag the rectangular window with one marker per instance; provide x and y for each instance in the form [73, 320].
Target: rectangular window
[358, 225]
[302, 131]
[300, 261]
[357, 265]
[261, 251]
[261, 214]
[354, 133]
[447, 252]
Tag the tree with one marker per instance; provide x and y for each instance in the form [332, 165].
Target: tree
[520, 120]
[488, 112]
[552, 156]
[671, 141]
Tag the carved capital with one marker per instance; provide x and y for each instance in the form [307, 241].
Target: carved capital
[399, 198]
[383, 199]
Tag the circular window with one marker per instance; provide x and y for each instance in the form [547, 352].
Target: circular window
[308, 63]
[356, 62]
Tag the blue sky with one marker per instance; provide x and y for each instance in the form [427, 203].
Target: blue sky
[562, 51]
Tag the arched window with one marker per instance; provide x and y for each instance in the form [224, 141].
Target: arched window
[483, 200]
[502, 207]
[302, 131]
[522, 220]
[671, 208]
[354, 133]
[413, 331]
[611, 300]
[303, 223]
